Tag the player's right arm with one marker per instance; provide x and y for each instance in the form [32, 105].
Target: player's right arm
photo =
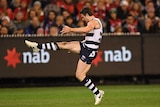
[90, 26]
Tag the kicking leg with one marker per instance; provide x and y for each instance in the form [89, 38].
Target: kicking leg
[73, 46]
[33, 45]
[82, 69]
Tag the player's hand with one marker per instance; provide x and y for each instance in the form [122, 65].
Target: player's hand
[65, 29]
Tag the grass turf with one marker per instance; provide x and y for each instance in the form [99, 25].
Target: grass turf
[115, 96]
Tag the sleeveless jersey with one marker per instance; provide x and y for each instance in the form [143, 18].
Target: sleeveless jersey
[94, 37]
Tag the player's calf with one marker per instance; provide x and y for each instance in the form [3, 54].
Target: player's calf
[49, 46]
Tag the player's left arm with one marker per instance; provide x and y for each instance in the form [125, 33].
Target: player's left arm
[90, 26]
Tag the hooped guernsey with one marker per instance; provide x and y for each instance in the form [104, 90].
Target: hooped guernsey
[94, 37]
[91, 44]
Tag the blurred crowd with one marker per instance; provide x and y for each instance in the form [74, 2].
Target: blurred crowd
[47, 17]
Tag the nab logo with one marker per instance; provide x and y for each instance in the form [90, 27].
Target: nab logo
[41, 57]
[13, 57]
[123, 55]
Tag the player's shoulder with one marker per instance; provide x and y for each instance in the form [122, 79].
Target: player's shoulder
[95, 20]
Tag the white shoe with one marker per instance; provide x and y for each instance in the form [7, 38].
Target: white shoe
[33, 45]
[99, 98]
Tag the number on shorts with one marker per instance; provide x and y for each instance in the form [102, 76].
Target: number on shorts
[92, 54]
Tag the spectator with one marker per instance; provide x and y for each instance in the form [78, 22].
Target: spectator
[151, 14]
[158, 26]
[112, 4]
[116, 3]
[50, 7]
[67, 4]
[6, 22]
[11, 12]
[2, 15]
[4, 8]
[59, 23]
[148, 26]
[148, 5]
[136, 10]
[33, 26]
[131, 25]
[131, 2]
[15, 4]
[53, 31]
[55, 1]
[18, 21]
[37, 7]
[49, 21]
[113, 21]
[19, 30]
[4, 30]
[80, 23]
[66, 13]
[40, 31]
[22, 8]
[158, 8]
[109, 4]
[80, 4]
[86, 4]
[118, 30]
[44, 3]
[69, 21]
[100, 10]
[122, 10]
[32, 13]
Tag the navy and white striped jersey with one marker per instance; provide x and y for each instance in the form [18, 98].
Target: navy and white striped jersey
[94, 37]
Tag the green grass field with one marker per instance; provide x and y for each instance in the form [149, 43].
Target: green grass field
[115, 96]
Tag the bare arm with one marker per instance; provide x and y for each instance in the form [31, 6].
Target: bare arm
[90, 26]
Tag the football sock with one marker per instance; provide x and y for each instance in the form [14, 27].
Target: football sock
[48, 46]
[90, 85]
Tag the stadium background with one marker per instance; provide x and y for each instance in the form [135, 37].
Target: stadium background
[29, 19]
[132, 59]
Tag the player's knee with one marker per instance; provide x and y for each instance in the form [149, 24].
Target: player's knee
[62, 45]
[80, 75]
[77, 75]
